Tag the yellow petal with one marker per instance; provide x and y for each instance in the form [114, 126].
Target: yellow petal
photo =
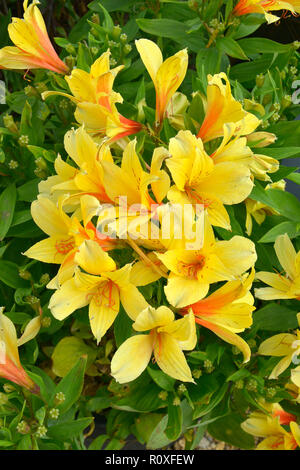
[132, 301]
[93, 259]
[48, 217]
[282, 365]
[278, 345]
[170, 358]
[295, 428]
[268, 293]
[8, 338]
[101, 65]
[295, 376]
[103, 310]
[67, 299]
[151, 318]
[183, 330]
[286, 254]
[51, 250]
[238, 254]
[132, 358]
[181, 291]
[151, 56]
[31, 330]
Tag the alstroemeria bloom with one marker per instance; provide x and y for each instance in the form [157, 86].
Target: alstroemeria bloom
[167, 75]
[282, 286]
[192, 271]
[96, 101]
[227, 311]
[234, 148]
[33, 47]
[65, 235]
[269, 426]
[10, 366]
[285, 345]
[128, 187]
[198, 180]
[221, 108]
[86, 178]
[167, 338]
[102, 286]
[244, 7]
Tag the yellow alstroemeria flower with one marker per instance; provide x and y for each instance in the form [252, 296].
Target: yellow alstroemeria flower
[96, 101]
[198, 180]
[65, 235]
[86, 178]
[244, 7]
[227, 311]
[269, 426]
[258, 210]
[236, 150]
[286, 345]
[282, 286]
[130, 181]
[221, 108]
[167, 75]
[167, 338]
[102, 286]
[10, 366]
[192, 271]
[33, 47]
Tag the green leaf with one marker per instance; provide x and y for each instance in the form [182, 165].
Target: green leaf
[231, 47]
[172, 29]
[263, 45]
[145, 424]
[285, 203]
[71, 385]
[285, 227]
[174, 425]
[7, 207]
[67, 353]
[9, 275]
[249, 24]
[158, 438]
[274, 317]
[247, 71]
[228, 429]
[98, 443]
[28, 191]
[202, 410]
[280, 153]
[69, 430]
[163, 380]
[122, 327]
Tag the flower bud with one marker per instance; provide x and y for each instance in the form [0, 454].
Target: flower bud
[9, 123]
[127, 49]
[13, 164]
[54, 413]
[95, 18]
[23, 140]
[260, 80]
[26, 275]
[123, 37]
[70, 61]
[261, 139]
[193, 5]
[163, 395]
[41, 431]
[286, 101]
[23, 427]
[116, 32]
[70, 49]
[46, 322]
[197, 373]
[40, 163]
[3, 399]
[176, 401]
[59, 398]
[8, 388]
[251, 385]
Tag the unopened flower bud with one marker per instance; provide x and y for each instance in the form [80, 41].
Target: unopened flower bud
[261, 139]
[30, 91]
[163, 395]
[286, 101]
[70, 49]
[41, 87]
[296, 44]
[271, 392]
[8, 388]
[265, 124]
[70, 61]
[196, 373]
[9, 123]
[40, 173]
[23, 427]
[24, 274]
[127, 49]
[252, 343]
[123, 37]
[275, 117]
[95, 18]
[40, 163]
[116, 32]
[193, 5]
[46, 322]
[112, 62]
[293, 70]
[60, 398]
[181, 388]
[276, 107]
[3, 399]
[251, 385]
[13, 164]
[41, 431]
[208, 366]
[54, 413]
[267, 99]
[214, 23]
[23, 140]
[260, 80]
[94, 50]
[45, 278]
[239, 384]
[176, 401]
[32, 299]
[235, 350]
[236, 22]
